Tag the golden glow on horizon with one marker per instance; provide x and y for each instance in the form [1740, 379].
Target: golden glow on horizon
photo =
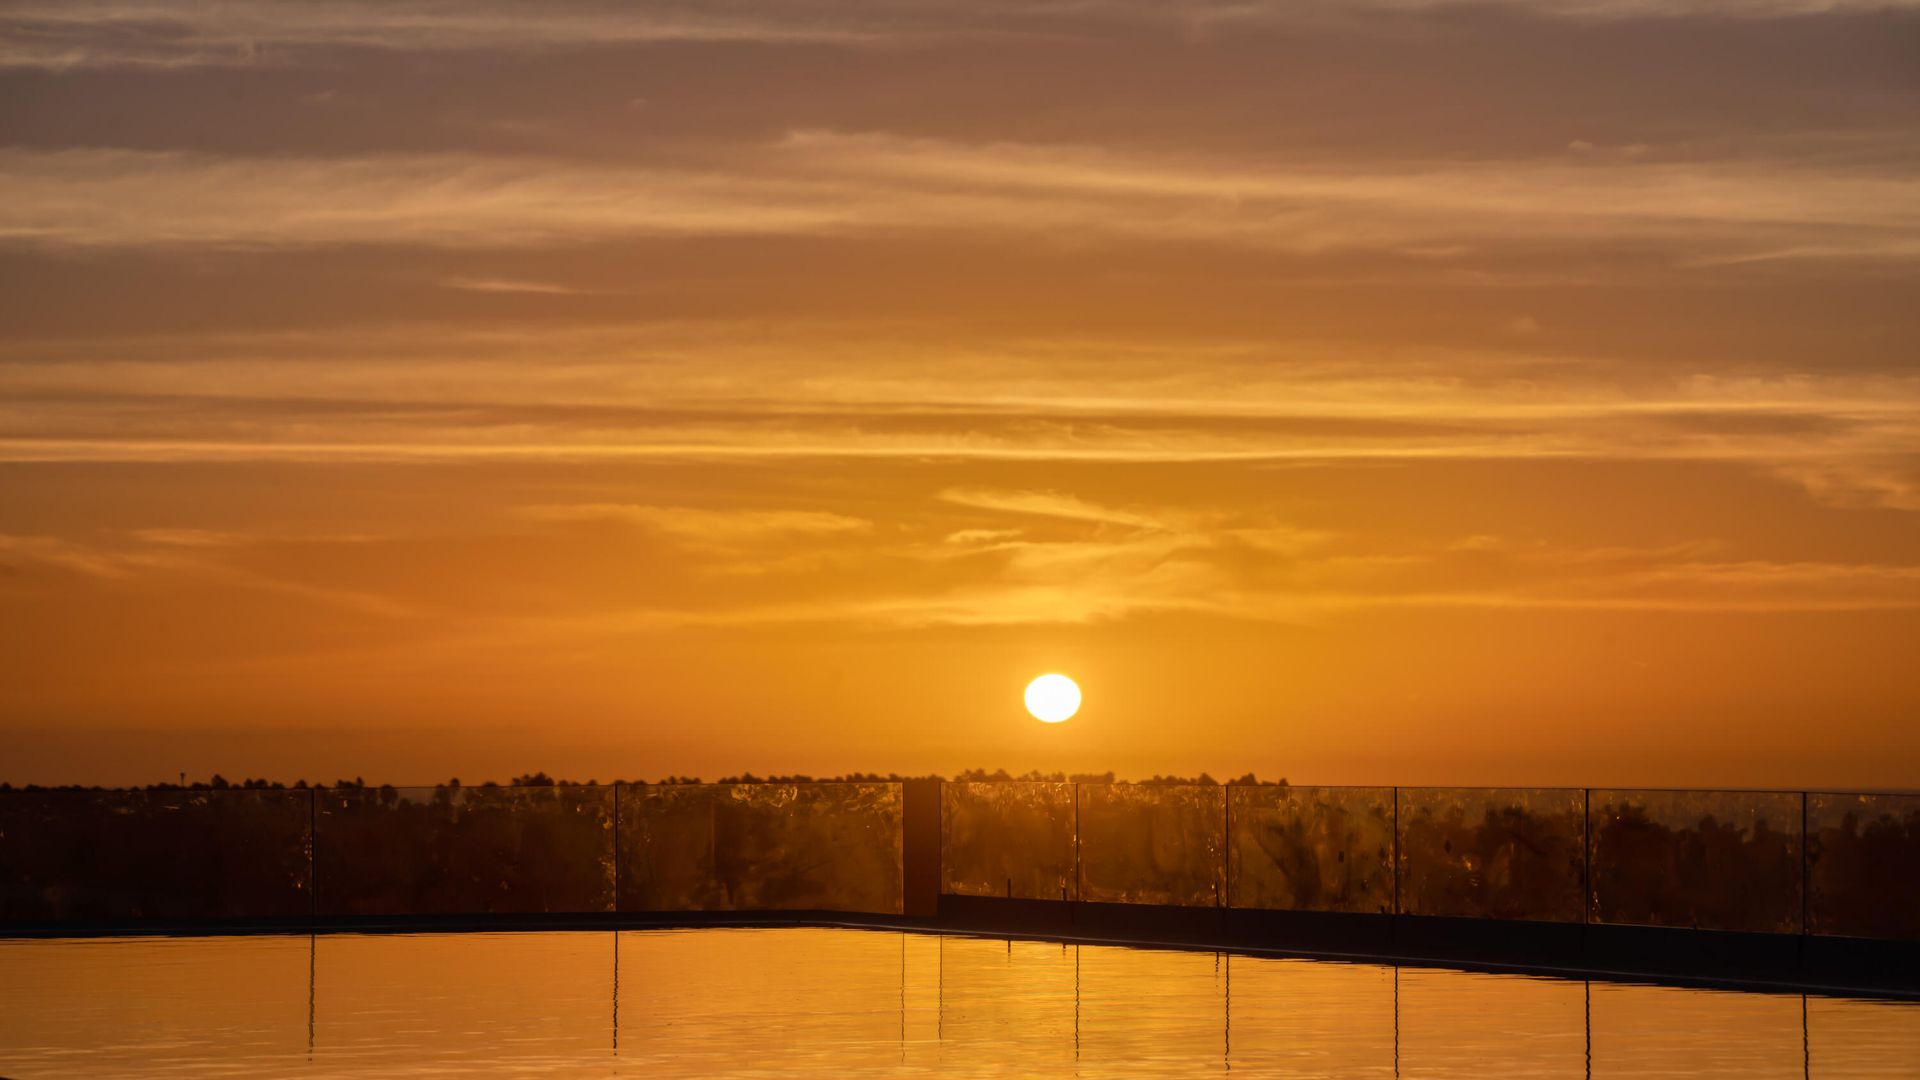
[1053, 698]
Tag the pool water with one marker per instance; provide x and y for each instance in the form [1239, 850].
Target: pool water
[858, 1003]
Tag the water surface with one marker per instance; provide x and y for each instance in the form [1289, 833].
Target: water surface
[816, 1002]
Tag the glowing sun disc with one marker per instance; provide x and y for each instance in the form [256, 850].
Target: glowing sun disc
[1053, 698]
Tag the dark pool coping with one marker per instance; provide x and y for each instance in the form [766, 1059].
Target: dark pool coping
[1778, 963]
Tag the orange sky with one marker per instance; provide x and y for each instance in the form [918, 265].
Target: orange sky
[1390, 391]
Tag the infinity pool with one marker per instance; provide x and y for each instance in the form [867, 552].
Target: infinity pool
[806, 1002]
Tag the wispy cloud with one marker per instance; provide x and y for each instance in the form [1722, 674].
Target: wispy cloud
[1047, 504]
[830, 184]
[196, 33]
[227, 33]
[192, 556]
[431, 394]
[723, 527]
[509, 285]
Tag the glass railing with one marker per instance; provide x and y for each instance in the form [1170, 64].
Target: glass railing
[1310, 848]
[1863, 865]
[1833, 864]
[1492, 853]
[1715, 860]
[463, 850]
[1010, 839]
[760, 847]
[1153, 844]
[160, 855]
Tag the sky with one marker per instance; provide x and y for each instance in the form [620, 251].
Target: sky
[1351, 391]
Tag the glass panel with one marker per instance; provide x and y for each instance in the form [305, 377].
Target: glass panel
[1007, 839]
[1311, 849]
[192, 854]
[1497, 853]
[748, 847]
[460, 850]
[1863, 855]
[1710, 860]
[1153, 844]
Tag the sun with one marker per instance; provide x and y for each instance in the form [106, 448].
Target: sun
[1053, 698]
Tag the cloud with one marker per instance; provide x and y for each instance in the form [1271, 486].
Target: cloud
[508, 285]
[79, 197]
[1863, 482]
[234, 33]
[64, 554]
[717, 527]
[221, 538]
[823, 183]
[191, 557]
[174, 34]
[1046, 504]
[976, 537]
[1081, 580]
[639, 393]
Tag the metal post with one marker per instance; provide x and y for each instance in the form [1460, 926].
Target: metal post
[1226, 846]
[1587, 898]
[1806, 873]
[1396, 872]
[313, 853]
[1079, 885]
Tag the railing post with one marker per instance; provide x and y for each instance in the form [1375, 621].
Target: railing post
[1587, 896]
[313, 853]
[1226, 846]
[1396, 854]
[1079, 883]
[920, 810]
[1806, 872]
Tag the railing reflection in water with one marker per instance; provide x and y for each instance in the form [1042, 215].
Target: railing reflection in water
[1833, 864]
[809, 1002]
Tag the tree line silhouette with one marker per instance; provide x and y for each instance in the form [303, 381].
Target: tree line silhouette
[259, 849]
[541, 779]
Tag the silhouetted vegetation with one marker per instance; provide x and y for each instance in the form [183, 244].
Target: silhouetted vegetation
[1864, 865]
[154, 854]
[1501, 855]
[1696, 869]
[1311, 849]
[537, 846]
[1139, 845]
[541, 779]
[1012, 840]
[760, 846]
